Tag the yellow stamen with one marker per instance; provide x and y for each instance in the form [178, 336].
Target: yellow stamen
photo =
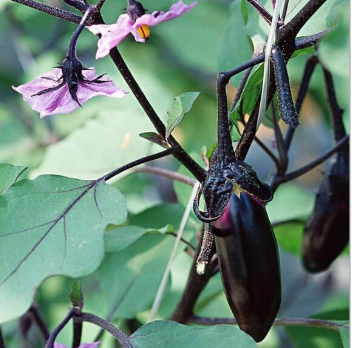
[143, 32]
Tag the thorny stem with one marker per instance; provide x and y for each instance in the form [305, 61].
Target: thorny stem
[279, 140]
[54, 11]
[35, 317]
[120, 336]
[261, 10]
[293, 175]
[336, 110]
[167, 174]
[308, 322]
[54, 334]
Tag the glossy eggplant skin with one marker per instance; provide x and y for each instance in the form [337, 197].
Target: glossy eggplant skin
[326, 232]
[249, 264]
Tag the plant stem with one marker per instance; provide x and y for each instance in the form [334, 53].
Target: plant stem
[308, 322]
[240, 88]
[54, 11]
[38, 321]
[167, 174]
[336, 110]
[135, 163]
[54, 334]
[301, 171]
[261, 10]
[120, 336]
[77, 330]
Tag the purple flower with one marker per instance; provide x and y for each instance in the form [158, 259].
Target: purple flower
[64, 89]
[84, 345]
[135, 22]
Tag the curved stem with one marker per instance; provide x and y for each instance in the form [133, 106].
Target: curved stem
[120, 336]
[78, 31]
[76, 4]
[301, 171]
[54, 334]
[54, 11]
[240, 88]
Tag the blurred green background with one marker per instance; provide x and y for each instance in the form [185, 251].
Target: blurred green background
[182, 55]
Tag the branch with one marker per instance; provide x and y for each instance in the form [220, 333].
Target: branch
[291, 29]
[166, 173]
[120, 336]
[139, 161]
[318, 323]
[313, 164]
[54, 334]
[54, 11]
[261, 10]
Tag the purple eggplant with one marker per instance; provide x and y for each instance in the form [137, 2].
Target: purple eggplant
[326, 232]
[249, 264]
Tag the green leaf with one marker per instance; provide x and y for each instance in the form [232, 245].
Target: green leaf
[155, 138]
[76, 296]
[111, 140]
[344, 335]
[173, 335]
[129, 279]
[120, 238]
[289, 236]
[51, 226]
[9, 174]
[236, 47]
[180, 106]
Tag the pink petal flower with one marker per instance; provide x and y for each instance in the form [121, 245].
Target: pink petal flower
[60, 101]
[84, 345]
[112, 34]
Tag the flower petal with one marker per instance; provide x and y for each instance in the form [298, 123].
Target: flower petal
[60, 101]
[111, 35]
[157, 17]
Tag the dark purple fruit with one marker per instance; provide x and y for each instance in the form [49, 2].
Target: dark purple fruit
[249, 264]
[326, 232]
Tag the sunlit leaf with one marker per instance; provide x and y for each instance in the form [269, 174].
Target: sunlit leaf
[180, 106]
[51, 225]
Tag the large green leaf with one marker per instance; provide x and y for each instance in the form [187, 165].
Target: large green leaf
[128, 279]
[52, 225]
[102, 144]
[180, 106]
[9, 174]
[169, 334]
[289, 235]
